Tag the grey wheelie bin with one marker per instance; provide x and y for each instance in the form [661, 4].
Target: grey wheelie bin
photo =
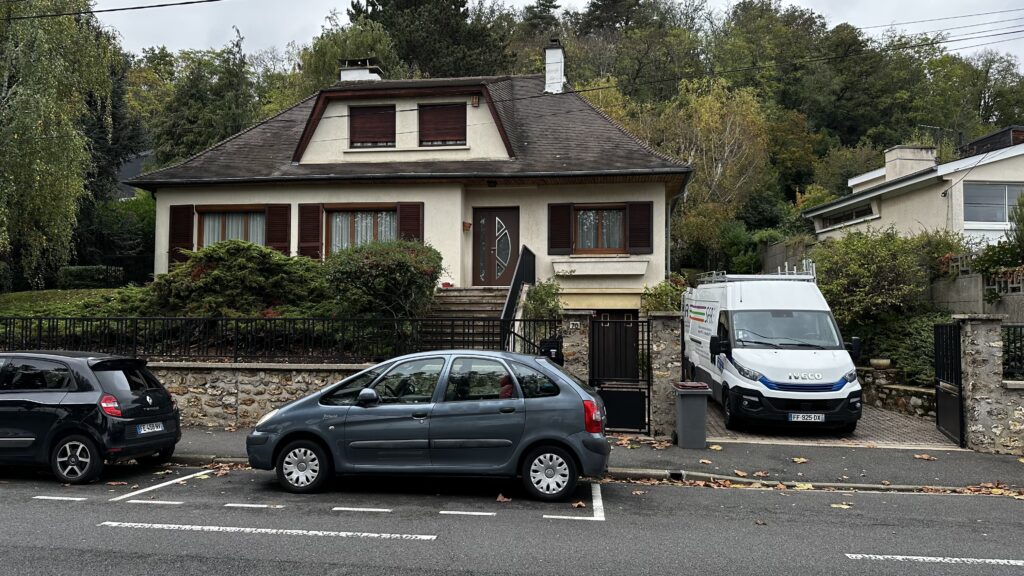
[691, 414]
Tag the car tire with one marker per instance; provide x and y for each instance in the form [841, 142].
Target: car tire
[303, 467]
[549, 474]
[75, 459]
[729, 416]
[847, 428]
[160, 458]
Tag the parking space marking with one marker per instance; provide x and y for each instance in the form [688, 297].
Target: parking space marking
[159, 502]
[461, 513]
[161, 485]
[936, 559]
[233, 505]
[267, 531]
[61, 498]
[346, 509]
[598, 504]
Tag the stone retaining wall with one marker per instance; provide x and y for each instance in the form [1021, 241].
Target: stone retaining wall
[236, 395]
[885, 389]
[666, 369]
[993, 409]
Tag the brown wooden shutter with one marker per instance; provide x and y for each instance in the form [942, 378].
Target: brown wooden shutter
[640, 223]
[410, 221]
[279, 227]
[560, 229]
[442, 123]
[371, 126]
[180, 232]
[311, 232]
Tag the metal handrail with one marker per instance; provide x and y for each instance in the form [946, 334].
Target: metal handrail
[526, 273]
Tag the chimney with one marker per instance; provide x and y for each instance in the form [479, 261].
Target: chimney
[554, 67]
[360, 69]
[903, 160]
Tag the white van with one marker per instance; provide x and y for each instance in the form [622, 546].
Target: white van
[771, 351]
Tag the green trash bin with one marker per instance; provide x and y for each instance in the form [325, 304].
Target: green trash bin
[691, 414]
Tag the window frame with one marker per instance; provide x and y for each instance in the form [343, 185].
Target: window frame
[442, 143]
[441, 375]
[1007, 206]
[223, 210]
[331, 209]
[848, 216]
[354, 145]
[443, 398]
[522, 388]
[599, 221]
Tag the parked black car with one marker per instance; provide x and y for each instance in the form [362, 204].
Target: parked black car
[76, 410]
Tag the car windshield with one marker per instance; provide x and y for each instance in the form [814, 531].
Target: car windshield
[345, 394]
[811, 329]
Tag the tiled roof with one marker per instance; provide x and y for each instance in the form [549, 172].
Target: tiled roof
[551, 136]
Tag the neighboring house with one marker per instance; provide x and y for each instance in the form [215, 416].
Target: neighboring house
[913, 193]
[475, 167]
[131, 169]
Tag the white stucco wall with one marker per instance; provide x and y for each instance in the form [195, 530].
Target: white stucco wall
[330, 143]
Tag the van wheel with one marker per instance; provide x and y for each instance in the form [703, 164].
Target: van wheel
[76, 460]
[732, 420]
[549, 473]
[303, 467]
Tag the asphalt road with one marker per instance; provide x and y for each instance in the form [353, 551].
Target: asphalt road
[242, 524]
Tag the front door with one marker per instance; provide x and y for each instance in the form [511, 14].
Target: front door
[495, 245]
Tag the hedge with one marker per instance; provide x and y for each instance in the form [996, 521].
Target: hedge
[75, 277]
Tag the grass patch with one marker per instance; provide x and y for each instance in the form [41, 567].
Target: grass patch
[56, 303]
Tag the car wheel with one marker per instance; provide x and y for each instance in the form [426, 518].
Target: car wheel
[303, 467]
[732, 420]
[847, 428]
[549, 473]
[158, 459]
[76, 460]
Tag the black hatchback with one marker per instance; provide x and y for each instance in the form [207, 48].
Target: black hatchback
[74, 411]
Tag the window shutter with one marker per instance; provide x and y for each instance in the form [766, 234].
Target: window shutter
[180, 231]
[640, 222]
[410, 221]
[279, 227]
[371, 125]
[442, 122]
[311, 233]
[560, 229]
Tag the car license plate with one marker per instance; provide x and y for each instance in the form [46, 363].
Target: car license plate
[806, 417]
[152, 427]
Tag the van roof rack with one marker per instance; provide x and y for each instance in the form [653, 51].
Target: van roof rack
[807, 272]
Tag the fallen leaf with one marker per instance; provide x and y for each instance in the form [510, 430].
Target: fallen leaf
[163, 472]
[925, 457]
[799, 460]
[843, 505]
[886, 483]
[203, 477]
[740, 473]
[1020, 497]
[221, 472]
[579, 504]
[502, 498]
[1021, 459]
[133, 487]
[639, 492]
[231, 429]
[761, 474]
[760, 522]
[715, 447]
[117, 483]
[705, 461]
[780, 486]
[804, 486]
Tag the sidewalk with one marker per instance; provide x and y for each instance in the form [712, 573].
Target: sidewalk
[825, 464]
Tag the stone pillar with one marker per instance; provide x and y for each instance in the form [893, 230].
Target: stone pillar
[666, 369]
[576, 342]
[993, 409]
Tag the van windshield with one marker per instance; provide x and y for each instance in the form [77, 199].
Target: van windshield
[811, 329]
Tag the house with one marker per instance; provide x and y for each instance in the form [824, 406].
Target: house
[476, 167]
[914, 193]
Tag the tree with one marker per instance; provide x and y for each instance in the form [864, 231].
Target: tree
[539, 17]
[149, 84]
[832, 171]
[649, 62]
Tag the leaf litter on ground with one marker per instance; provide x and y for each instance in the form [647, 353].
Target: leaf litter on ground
[502, 498]
[927, 457]
[799, 460]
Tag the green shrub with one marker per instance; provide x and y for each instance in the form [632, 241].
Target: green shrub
[543, 301]
[909, 341]
[76, 277]
[935, 248]
[6, 278]
[869, 275]
[768, 236]
[995, 257]
[383, 279]
[666, 296]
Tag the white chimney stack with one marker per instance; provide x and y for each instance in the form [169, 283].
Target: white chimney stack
[554, 67]
[360, 69]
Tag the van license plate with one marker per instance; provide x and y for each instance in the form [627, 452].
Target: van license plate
[806, 417]
[152, 427]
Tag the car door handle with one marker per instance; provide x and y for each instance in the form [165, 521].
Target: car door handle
[419, 415]
[507, 410]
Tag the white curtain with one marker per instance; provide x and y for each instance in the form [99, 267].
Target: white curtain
[586, 232]
[258, 228]
[611, 232]
[211, 228]
[341, 226]
[364, 228]
[387, 227]
[234, 228]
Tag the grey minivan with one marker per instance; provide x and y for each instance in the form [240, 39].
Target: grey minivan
[453, 412]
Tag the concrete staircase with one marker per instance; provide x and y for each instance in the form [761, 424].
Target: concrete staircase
[465, 318]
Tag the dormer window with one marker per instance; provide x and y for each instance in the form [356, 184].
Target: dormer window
[371, 126]
[443, 124]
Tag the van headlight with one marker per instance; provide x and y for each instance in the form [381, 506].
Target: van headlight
[266, 417]
[851, 376]
[747, 373]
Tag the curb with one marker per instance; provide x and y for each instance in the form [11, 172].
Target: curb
[647, 473]
[204, 459]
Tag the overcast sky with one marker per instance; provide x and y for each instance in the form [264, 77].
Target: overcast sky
[266, 23]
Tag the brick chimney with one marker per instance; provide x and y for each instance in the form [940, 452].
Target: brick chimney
[906, 159]
[360, 69]
[554, 67]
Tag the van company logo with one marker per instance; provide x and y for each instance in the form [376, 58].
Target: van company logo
[805, 376]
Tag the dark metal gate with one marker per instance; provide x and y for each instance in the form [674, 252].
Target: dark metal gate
[620, 369]
[949, 400]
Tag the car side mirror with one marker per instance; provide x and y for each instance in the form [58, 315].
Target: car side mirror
[367, 397]
[854, 346]
[718, 346]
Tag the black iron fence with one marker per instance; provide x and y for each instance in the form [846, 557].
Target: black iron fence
[318, 340]
[1013, 351]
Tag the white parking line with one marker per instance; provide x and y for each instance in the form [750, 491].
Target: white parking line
[161, 485]
[345, 509]
[936, 559]
[461, 513]
[598, 504]
[266, 531]
[62, 498]
[233, 505]
[159, 502]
